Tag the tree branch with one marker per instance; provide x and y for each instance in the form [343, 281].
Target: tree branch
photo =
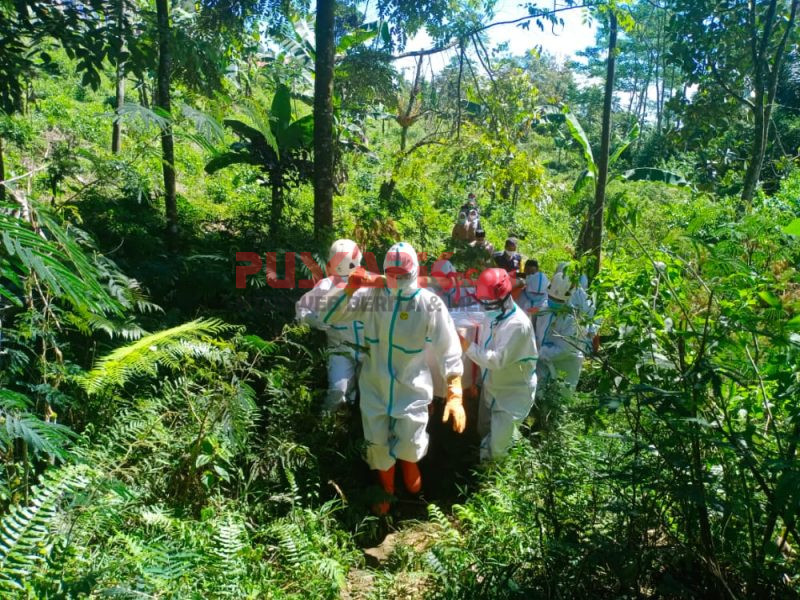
[721, 82]
[778, 59]
[453, 44]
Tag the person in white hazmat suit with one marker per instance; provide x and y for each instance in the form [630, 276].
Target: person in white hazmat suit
[585, 307]
[506, 351]
[557, 335]
[344, 339]
[534, 295]
[399, 320]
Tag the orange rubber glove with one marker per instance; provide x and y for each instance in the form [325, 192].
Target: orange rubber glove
[358, 278]
[454, 407]
[464, 343]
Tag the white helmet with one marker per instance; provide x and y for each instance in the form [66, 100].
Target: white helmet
[344, 256]
[559, 287]
[402, 266]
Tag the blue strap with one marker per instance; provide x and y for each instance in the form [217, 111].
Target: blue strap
[406, 350]
[334, 307]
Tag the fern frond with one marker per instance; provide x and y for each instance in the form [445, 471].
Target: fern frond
[25, 532]
[230, 540]
[17, 423]
[59, 261]
[170, 347]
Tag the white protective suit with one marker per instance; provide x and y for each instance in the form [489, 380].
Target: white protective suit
[585, 308]
[506, 351]
[395, 381]
[345, 341]
[534, 294]
[558, 338]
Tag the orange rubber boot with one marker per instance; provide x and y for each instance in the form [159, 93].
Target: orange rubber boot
[386, 479]
[412, 478]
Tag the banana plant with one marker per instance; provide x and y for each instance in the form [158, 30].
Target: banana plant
[589, 174]
[281, 147]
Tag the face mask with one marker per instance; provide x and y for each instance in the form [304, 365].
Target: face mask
[400, 283]
[509, 253]
[493, 309]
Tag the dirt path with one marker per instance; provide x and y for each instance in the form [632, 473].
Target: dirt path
[385, 566]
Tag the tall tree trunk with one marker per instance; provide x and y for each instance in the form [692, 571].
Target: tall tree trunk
[2, 172]
[595, 217]
[167, 141]
[116, 131]
[757, 150]
[323, 119]
[116, 128]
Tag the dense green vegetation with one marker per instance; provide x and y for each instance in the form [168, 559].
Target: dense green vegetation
[160, 432]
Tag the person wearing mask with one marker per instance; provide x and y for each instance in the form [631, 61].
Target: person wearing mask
[534, 293]
[558, 341]
[506, 352]
[471, 203]
[344, 339]
[473, 224]
[461, 228]
[399, 318]
[509, 259]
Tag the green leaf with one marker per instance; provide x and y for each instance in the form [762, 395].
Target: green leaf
[281, 111]
[354, 38]
[385, 35]
[299, 134]
[770, 299]
[580, 137]
[793, 228]
[253, 135]
[226, 159]
[244, 130]
[630, 138]
[581, 181]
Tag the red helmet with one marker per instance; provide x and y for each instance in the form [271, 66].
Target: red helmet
[493, 284]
